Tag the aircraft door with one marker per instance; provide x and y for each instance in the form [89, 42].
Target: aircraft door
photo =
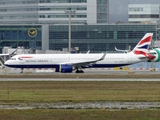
[129, 58]
[23, 61]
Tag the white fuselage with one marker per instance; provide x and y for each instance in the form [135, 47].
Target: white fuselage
[54, 60]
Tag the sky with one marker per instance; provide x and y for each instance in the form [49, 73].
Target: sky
[118, 9]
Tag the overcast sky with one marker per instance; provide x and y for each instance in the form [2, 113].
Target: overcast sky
[118, 9]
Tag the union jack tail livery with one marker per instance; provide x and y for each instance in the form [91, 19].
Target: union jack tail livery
[142, 48]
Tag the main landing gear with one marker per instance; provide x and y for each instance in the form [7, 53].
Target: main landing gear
[79, 71]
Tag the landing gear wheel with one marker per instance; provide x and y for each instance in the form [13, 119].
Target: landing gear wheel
[79, 71]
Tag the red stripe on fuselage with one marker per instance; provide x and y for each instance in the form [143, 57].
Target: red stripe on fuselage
[148, 39]
[26, 57]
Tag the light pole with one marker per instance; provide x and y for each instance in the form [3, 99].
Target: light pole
[69, 12]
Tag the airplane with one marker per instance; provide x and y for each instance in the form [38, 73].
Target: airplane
[155, 52]
[67, 63]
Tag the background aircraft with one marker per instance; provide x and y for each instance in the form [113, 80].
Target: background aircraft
[156, 53]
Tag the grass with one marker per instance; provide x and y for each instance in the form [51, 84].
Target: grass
[102, 114]
[47, 91]
[13, 92]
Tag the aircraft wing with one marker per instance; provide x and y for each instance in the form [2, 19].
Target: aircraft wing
[1, 59]
[84, 63]
[125, 51]
[4, 54]
[120, 50]
[88, 52]
[8, 53]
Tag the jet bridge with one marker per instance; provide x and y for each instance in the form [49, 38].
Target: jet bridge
[7, 53]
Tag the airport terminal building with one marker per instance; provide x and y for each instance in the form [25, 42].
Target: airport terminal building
[43, 25]
[97, 37]
[53, 11]
[139, 13]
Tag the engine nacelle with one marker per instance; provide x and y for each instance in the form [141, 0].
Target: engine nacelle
[65, 68]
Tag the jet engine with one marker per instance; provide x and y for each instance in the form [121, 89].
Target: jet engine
[65, 68]
[156, 54]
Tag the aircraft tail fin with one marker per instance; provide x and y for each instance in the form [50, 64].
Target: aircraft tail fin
[142, 48]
